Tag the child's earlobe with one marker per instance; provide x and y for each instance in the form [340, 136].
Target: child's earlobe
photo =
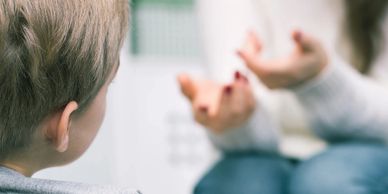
[63, 144]
[63, 128]
[58, 131]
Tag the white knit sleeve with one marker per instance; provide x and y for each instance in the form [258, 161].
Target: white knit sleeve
[344, 105]
[259, 133]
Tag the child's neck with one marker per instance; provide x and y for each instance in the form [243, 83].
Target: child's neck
[25, 166]
[18, 168]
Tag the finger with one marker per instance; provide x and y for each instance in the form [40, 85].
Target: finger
[254, 63]
[240, 78]
[232, 103]
[256, 42]
[252, 44]
[187, 85]
[303, 41]
[201, 114]
[243, 97]
[250, 51]
[225, 92]
[224, 105]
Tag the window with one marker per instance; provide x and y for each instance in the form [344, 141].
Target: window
[164, 28]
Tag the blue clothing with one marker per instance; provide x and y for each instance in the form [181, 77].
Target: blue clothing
[353, 168]
[247, 173]
[12, 182]
[350, 168]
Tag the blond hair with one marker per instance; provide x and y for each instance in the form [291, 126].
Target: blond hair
[53, 52]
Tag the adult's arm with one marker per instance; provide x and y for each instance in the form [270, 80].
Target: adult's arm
[345, 105]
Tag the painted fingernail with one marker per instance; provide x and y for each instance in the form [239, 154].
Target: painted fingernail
[228, 90]
[298, 36]
[240, 76]
[203, 109]
[237, 75]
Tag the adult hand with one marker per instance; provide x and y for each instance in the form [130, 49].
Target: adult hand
[219, 107]
[304, 63]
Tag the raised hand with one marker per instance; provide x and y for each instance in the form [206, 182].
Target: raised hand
[304, 63]
[219, 107]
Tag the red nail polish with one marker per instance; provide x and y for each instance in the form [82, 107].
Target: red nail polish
[203, 109]
[228, 90]
[298, 36]
[237, 75]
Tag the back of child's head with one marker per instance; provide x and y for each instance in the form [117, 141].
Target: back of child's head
[53, 52]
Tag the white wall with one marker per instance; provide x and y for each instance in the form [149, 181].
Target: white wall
[167, 150]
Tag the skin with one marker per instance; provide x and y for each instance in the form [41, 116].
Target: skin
[305, 62]
[61, 138]
[221, 107]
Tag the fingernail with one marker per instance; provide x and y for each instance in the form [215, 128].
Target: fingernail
[203, 109]
[237, 75]
[240, 76]
[298, 36]
[228, 90]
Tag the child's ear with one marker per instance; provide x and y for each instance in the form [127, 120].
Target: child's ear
[58, 130]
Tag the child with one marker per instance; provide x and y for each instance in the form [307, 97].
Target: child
[57, 59]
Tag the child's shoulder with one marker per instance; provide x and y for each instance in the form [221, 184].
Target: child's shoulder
[12, 182]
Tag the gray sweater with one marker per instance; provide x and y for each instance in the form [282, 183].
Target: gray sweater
[12, 182]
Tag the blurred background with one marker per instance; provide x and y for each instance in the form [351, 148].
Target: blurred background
[149, 140]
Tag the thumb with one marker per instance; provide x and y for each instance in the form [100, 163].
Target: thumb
[254, 63]
[304, 42]
[250, 53]
[187, 85]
